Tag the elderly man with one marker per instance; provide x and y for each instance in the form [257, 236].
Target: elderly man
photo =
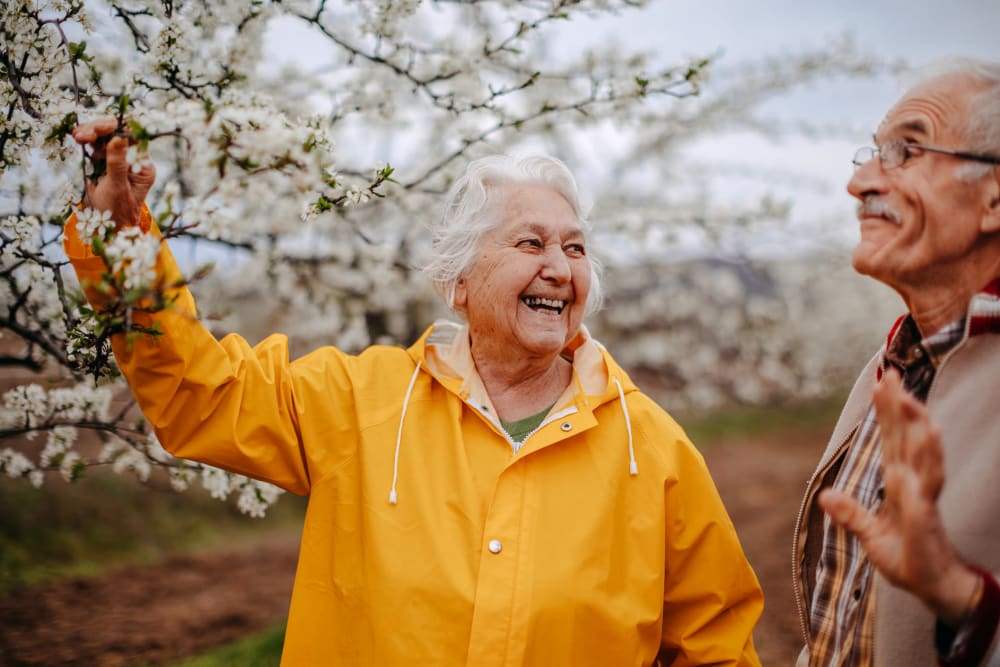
[897, 537]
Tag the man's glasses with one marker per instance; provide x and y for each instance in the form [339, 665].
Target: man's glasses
[895, 154]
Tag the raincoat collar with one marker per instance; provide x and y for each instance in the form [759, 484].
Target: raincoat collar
[445, 352]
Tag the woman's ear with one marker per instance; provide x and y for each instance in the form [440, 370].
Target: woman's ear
[461, 298]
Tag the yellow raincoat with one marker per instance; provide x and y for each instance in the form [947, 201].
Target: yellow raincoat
[601, 541]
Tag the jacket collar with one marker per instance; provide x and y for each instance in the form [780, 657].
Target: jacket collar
[982, 317]
[445, 352]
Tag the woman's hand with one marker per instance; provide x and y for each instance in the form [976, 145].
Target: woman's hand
[118, 190]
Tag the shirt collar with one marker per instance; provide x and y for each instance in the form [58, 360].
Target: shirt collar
[905, 347]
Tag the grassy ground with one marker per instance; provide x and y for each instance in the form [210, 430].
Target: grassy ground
[705, 429]
[261, 650]
[104, 519]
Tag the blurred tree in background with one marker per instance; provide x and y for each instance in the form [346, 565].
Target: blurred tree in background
[308, 187]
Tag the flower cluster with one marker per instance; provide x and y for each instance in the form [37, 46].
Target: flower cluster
[253, 496]
[132, 254]
[91, 223]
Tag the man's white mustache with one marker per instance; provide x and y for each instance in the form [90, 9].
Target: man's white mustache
[873, 205]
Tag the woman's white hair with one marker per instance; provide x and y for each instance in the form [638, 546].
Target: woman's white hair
[475, 205]
[982, 126]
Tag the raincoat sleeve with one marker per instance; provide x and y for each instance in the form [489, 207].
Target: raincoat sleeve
[219, 402]
[712, 599]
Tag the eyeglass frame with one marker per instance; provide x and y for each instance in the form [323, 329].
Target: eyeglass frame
[872, 151]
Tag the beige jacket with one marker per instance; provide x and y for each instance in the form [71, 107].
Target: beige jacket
[965, 402]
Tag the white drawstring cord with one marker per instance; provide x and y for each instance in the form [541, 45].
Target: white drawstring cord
[633, 467]
[399, 436]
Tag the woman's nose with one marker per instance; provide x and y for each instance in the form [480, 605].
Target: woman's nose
[556, 265]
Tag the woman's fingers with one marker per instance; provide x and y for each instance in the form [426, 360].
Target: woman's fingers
[116, 161]
[142, 181]
[89, 132]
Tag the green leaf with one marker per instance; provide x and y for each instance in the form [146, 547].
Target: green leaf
[76, 472]
[123, 102]
[77, 50]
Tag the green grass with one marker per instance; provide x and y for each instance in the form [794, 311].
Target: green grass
[260, 650]
[704, 429]
[105, 519]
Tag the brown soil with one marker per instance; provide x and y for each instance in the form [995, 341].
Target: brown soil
[185, 605]
[762, 481]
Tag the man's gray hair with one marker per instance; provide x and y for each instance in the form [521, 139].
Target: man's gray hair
[475, 205]
[982, 127]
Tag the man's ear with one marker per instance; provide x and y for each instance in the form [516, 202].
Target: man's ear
[991, 217]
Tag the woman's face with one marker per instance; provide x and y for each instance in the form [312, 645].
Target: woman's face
[526, 291]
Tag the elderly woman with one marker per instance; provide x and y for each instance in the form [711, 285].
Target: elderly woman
[500, 493]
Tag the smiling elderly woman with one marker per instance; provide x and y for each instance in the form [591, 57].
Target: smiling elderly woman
[500, 493]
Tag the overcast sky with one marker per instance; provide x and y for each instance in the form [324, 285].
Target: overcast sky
[918, 31]
[914, 28]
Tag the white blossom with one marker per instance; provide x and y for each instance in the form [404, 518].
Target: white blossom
[136, 158]
[130, 459]
[356, 195]
[216, 482]
[60, 439]
[255, 497]
[180, 478]
[68, 465]
[14, 463]
[92, 223]
[133, 253]
[24, 406]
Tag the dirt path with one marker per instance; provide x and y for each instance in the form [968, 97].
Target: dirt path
[151, 614]
[762, 482]
[188, 604]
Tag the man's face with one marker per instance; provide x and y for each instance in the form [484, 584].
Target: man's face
[919, 221]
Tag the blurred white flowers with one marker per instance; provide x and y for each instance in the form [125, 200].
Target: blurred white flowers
[264, 170]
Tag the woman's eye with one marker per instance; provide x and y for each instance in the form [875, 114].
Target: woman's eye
[530, 243]
[576, 249]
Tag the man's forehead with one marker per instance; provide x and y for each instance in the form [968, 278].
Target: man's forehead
[893, 126]
[933, 107]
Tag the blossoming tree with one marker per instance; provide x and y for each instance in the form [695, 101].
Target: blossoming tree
[307, 187]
